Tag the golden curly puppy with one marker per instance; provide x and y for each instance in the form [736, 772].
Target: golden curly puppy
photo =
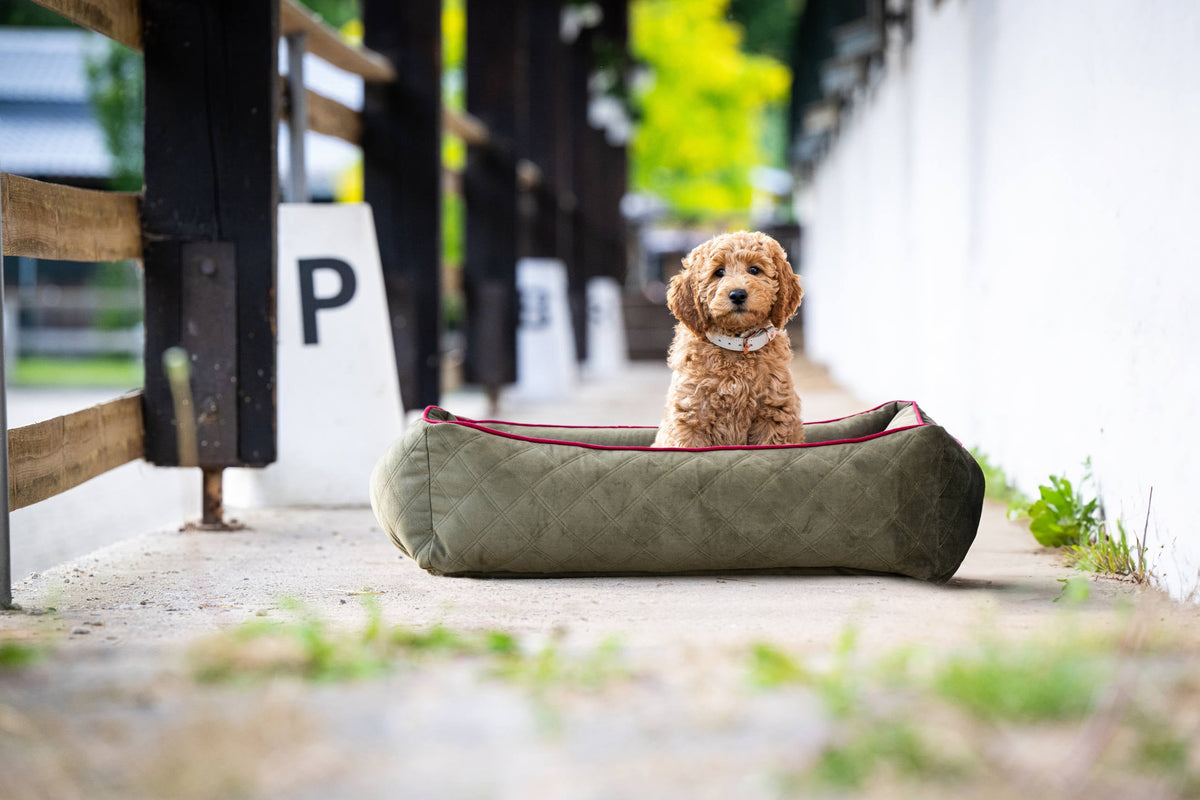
[732, 382]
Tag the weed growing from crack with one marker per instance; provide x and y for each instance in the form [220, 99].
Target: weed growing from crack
[1061, 515]
[1110, 555]
[1064, 517]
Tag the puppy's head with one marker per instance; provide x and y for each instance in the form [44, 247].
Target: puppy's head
[734, 283]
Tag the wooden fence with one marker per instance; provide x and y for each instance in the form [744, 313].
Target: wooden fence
[204, 224]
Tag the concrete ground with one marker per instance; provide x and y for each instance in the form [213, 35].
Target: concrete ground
[635, 687]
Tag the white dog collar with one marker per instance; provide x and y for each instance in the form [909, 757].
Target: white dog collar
[755, 340]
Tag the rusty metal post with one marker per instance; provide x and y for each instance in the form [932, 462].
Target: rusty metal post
[213, 500]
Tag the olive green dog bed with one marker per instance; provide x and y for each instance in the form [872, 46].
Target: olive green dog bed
[887, 490]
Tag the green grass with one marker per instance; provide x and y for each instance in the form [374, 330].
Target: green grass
[1110, 555]
[15, 655]
[1065, 517]
[839, 686]
[915, 720]
[892, 746]
[306, 647]
[70, 372]
[550, 668]
[1029, 681]
[771, 667]
[1039, 681]
[998, 487]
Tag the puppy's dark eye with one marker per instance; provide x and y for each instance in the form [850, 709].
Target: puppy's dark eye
[754, 270]
[719, 273]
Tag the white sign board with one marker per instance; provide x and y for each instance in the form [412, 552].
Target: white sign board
[338, 394]
[607, 353]
[546, 366]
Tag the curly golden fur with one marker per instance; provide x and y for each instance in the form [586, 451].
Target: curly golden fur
[723, 397]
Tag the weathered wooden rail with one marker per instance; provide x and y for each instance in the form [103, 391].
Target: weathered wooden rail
[204, 227]
[204, 224]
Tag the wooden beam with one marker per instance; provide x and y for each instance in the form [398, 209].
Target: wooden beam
[333, 119]
[470, 129]
[451, 181]
[325, 115]
[209, 211]
[325, 42]
[49, 457]
[47, 220]
[120, 20]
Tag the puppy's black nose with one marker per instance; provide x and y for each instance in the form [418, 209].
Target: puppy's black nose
[737, 296]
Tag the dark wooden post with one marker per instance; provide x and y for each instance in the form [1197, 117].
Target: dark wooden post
[615, 29]
[543, 126]
[208, 216]
[490, 190]
[402, 174]
[564, 152]
[585, 176]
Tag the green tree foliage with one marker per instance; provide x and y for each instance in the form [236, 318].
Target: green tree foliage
[770, 25]
[116, 91]
[25, 13]
[703, 108]
[335, 12]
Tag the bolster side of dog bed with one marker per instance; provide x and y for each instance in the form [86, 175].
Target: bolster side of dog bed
[400, 492]
[462, 500]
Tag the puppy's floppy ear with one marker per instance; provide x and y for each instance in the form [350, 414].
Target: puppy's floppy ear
[682, 293]
[681, 299]
[788, 298]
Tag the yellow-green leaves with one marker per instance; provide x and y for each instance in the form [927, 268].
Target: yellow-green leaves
[702, 106]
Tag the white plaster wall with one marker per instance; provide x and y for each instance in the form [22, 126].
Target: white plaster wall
[1007, 229]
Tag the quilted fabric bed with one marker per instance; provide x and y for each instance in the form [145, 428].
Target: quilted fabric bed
[887, 490]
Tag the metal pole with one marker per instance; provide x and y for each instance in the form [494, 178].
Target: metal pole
[5, 561]
[213, 498]
[297, 188]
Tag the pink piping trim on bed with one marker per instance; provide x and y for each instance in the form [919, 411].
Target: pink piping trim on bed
[481, 425]
[634, 427]
[548, 424]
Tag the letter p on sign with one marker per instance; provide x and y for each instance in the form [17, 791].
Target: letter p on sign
[309, 302]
